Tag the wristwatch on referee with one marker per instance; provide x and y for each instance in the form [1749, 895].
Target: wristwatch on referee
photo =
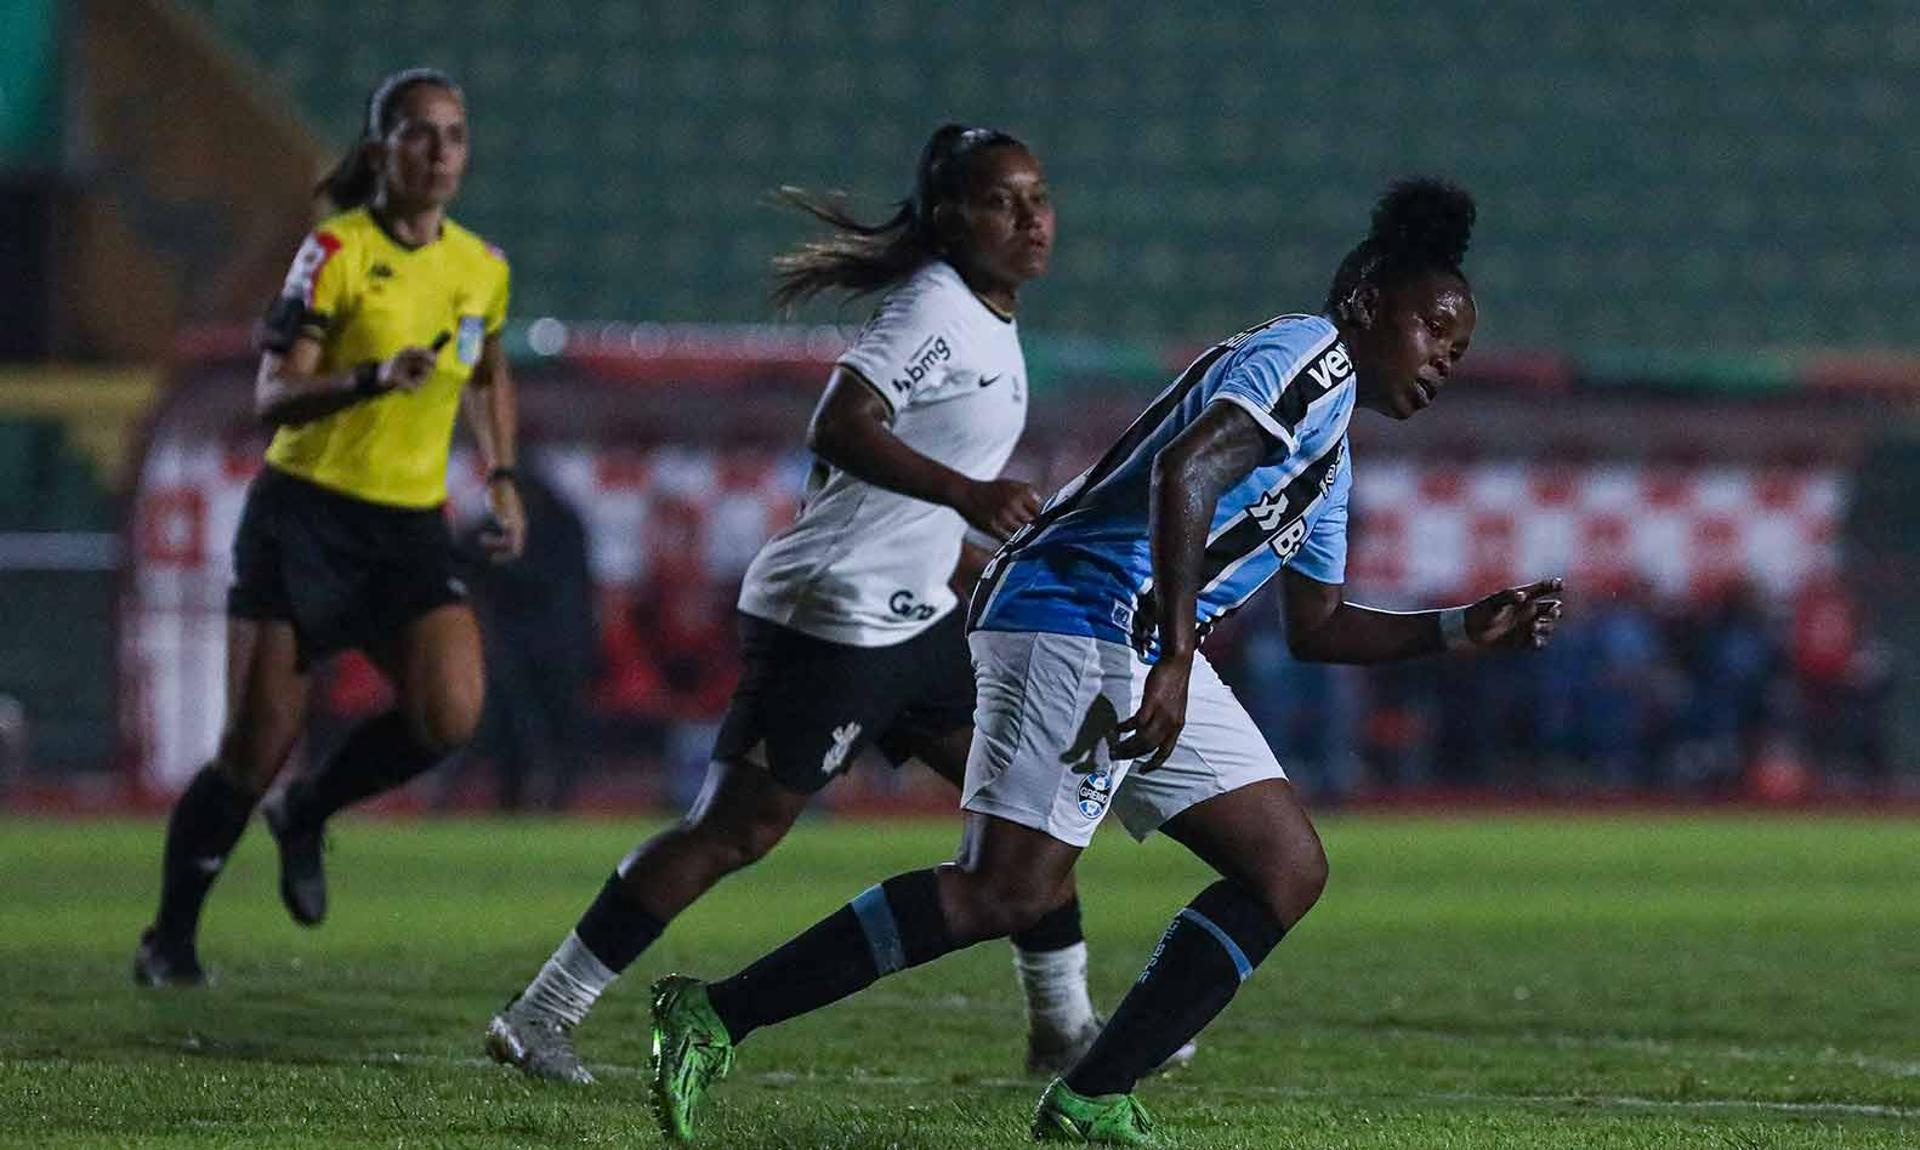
[508, 472]
[366, 380]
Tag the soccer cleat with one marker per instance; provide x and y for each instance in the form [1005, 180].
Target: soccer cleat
[540, 1047]
[303, 879]
[691, 1052]
[159, 963]
[1051, 1055]
[1108, 1120]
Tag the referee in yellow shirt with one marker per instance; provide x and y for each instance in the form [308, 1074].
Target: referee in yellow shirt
[389, 322]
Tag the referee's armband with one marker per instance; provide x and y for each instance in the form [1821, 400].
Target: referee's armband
[287, 319]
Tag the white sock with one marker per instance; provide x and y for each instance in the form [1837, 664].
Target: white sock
[568, 985]
[1055, 982]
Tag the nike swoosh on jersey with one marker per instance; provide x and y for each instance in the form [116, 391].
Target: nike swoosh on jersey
[990, 380]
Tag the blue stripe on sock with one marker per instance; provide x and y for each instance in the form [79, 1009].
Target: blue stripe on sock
[883, 933]
[1225, 940]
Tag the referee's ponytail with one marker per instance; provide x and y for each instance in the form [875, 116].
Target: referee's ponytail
[862, 257]
[1420, 226]
[356, 178]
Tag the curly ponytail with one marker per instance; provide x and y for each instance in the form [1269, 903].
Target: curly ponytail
[1420, 226]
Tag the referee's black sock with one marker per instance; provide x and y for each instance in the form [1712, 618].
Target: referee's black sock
[890, 927]
[379, 755]
[1212, 947]
[206, 823]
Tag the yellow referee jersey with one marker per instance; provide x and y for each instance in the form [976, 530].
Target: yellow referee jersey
[365, 296]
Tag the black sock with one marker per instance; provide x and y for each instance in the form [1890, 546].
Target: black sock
[890, 927]
[1210, 949]
[206, 823]
[616, 928]
[379, 755]
[1058, 929]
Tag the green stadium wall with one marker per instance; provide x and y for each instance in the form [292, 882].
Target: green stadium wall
[1703, 184]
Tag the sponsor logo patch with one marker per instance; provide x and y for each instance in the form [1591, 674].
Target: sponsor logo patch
[935, 351]
[1332, 367]
[472, 338]
[843, 739]
[903, 604]
[313, 255]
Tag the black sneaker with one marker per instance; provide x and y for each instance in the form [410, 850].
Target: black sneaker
[303, 880]
[159, 962]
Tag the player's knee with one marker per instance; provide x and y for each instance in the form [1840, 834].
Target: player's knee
[1313, 877]
[732, 844]
[446, 723]
[754, 840]
[1003, 904]
[1293, 882]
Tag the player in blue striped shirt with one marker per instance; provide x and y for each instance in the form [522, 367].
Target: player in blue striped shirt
[1237, 472]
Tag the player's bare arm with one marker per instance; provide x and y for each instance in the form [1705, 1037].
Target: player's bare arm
[1189, 474]
[1323, 628]
[852, 429]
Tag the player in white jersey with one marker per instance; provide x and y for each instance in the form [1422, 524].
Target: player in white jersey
[1094, 611]
[850, 632]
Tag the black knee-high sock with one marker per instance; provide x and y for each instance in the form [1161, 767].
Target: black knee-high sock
[616, 928]
[1058, 929]
[889, 928]
[379, 755]
[1210, 949]
[206, 823]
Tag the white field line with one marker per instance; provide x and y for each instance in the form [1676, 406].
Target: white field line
[1186, 1085]
[1559, 1040]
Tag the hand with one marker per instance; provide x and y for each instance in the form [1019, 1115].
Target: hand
[999, 507]
[1155, 728]
[506, 534]
[1517, 618]
[408, 369]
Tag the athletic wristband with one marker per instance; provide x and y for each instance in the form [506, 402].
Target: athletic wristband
[1453, 629]
[499, 473]
[366, 380]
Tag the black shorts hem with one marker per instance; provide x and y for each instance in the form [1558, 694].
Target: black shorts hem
[814, 705]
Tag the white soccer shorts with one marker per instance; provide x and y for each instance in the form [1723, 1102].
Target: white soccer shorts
[1041, 753]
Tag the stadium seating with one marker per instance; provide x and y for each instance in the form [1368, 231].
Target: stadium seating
[1652, 176]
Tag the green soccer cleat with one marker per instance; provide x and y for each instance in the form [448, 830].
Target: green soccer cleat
[1108, 1120]
[691, 1052]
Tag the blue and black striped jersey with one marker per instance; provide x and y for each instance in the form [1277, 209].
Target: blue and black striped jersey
[1084, 565]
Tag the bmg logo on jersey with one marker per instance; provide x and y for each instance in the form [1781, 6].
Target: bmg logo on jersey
[935, 350]
[903, 604]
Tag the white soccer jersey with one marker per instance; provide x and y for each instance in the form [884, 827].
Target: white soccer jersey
[868, 567]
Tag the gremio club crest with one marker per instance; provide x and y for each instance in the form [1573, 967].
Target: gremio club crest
[1096, 791]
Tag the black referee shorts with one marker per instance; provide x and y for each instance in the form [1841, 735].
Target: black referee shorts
[345, 572]
[815, 705]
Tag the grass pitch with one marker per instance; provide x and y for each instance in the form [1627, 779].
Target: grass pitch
[1634, 981]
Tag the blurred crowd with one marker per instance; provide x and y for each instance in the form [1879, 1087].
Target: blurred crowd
[1727, 695]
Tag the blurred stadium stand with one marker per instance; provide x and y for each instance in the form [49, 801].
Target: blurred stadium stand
[1702, 179]
[1698, 291]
